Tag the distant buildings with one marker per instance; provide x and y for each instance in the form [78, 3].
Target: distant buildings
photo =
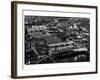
[74, 26]
[38, 27]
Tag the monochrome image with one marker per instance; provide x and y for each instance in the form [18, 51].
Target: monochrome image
[53, 39]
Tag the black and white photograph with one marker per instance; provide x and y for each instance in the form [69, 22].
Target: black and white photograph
[53, 39]
[56, 39]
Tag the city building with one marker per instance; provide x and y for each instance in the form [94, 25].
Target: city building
[38, 27]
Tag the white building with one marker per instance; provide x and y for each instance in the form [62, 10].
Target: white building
[39, 27]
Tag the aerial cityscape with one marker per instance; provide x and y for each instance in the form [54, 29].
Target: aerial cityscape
[51, 39]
